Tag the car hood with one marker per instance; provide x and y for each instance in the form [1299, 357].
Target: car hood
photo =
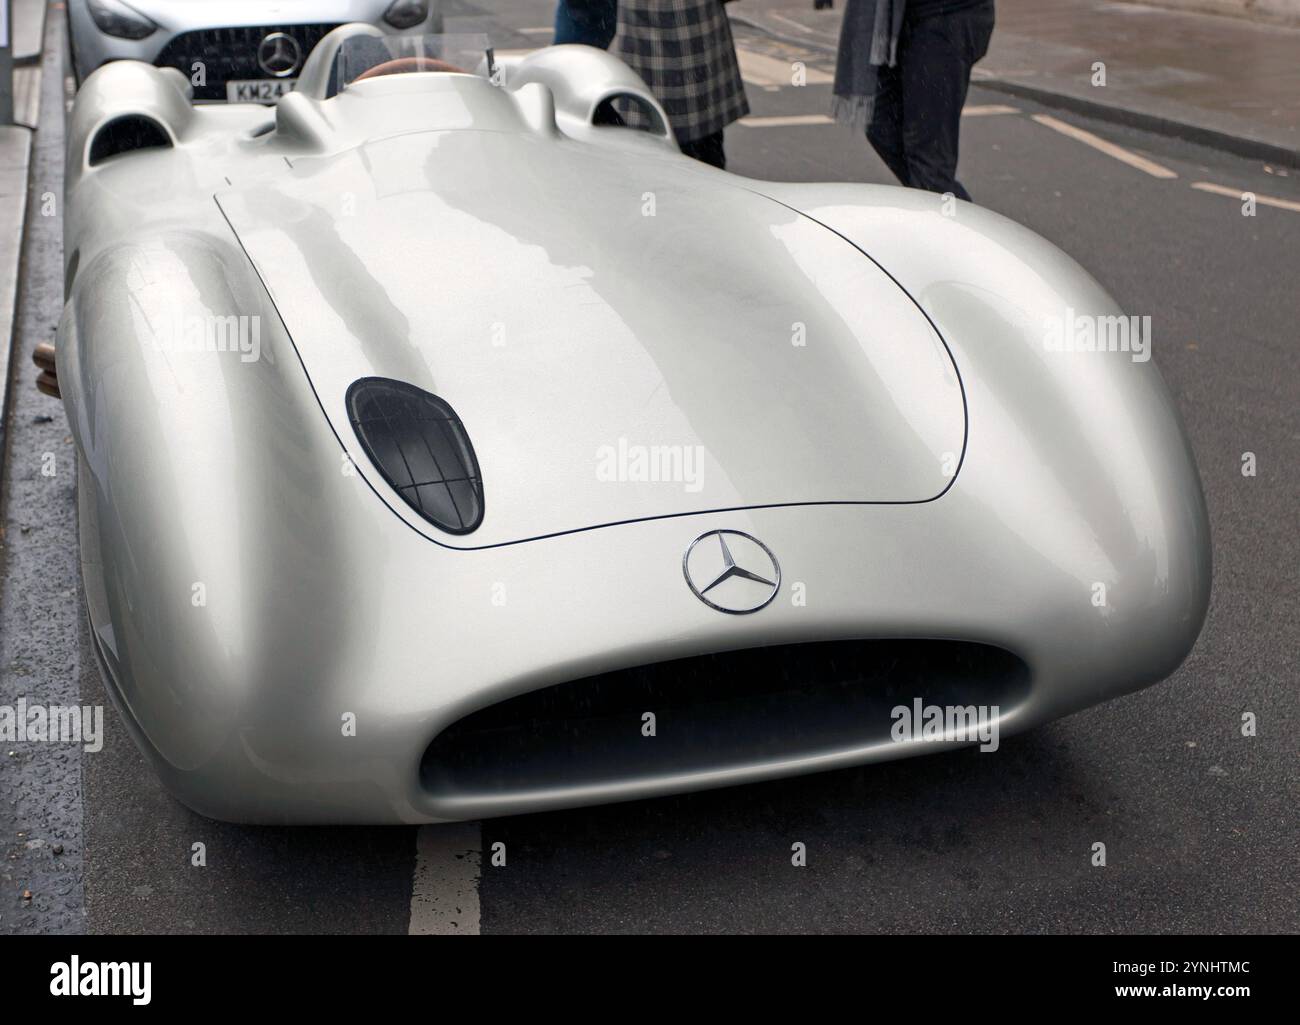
[623, 336]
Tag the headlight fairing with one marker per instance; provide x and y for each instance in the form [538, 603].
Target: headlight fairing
[416, 440]
[115, 18]
[403, 14]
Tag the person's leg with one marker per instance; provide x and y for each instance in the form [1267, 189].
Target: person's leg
[935, 75]
[885, 129]
[566, 29]
[592, 22]
[707, 148]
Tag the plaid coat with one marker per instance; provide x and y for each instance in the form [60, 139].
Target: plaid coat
[683, 50]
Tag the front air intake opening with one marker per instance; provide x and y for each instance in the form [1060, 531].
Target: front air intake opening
[720, 711]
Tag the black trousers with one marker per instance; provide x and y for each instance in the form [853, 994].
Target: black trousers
[707, 148]
[917, 116]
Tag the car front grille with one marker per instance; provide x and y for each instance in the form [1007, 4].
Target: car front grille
[732, 710]
[231, 53]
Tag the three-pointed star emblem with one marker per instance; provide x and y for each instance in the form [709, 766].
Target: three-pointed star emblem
[278, 54]
[754, 577]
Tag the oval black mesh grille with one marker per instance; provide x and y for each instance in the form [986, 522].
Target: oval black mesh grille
[418, 443]
[226, 53]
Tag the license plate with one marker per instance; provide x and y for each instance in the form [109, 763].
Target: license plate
[257, 90]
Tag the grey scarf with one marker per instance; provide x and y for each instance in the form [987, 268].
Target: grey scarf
[868, 40]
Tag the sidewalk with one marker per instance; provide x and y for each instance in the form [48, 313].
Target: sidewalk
[1221, 81]
[29, 30]
[15, 159]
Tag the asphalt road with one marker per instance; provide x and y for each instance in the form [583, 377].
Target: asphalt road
[1200, 823]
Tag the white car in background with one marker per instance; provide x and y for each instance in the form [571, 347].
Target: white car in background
[230, 50]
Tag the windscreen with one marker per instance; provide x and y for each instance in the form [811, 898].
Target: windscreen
[365, 56]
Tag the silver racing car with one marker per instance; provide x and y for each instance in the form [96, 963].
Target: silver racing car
[451, 448]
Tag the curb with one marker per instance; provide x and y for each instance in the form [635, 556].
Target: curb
[1239, 145]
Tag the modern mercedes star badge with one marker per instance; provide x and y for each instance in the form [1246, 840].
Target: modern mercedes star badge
[278, 54]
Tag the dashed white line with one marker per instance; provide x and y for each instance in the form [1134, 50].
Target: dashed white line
[444, 892]
[1109, 148]
[1239, 194]
[787, 120]
[987, 109]
[791, 22]
[764, 71]
[794, 120]
[540, 30]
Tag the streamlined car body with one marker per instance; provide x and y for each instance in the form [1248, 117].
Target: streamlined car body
[450, 449]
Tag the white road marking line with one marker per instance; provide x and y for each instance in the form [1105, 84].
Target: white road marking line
[787, 121]
[762, 70]
[985, 109]
[539, 31]
[1223, 190]
[792, 120]
[1109, 148]
[444, 892]
[791, 22]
